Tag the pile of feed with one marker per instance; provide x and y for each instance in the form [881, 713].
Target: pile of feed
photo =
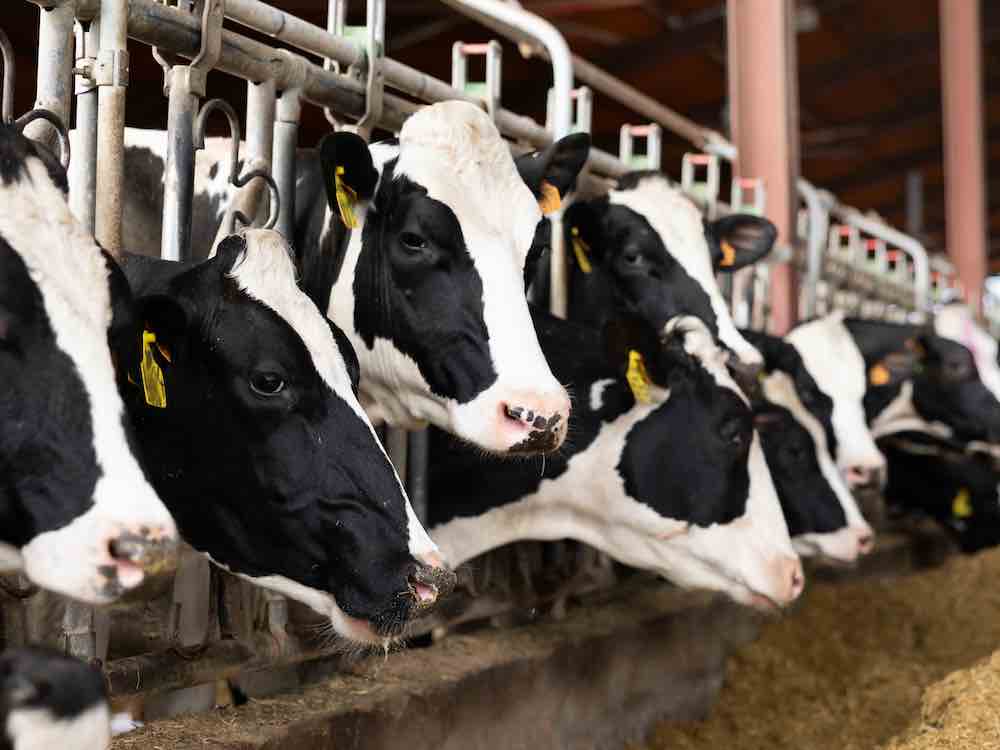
[848, 669]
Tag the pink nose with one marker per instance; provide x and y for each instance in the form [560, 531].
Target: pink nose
[789, 580]
[866, 541]
[535, 422]
[430, 582]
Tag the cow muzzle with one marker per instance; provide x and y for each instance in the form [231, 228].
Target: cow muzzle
[141, 552]
[428, 585]
[535, 424]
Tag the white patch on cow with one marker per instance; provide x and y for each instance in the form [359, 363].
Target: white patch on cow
[266, 273]
[842, 544]
[677, 220]
[956, 322]
[597, 393]
[454, 151]
[901, 416]
[747, 558]
[72, 277]
[834, 361]
[39, 729]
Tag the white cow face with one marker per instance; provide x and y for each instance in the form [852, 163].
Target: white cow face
[836, 365]
[431, 290]
[78, 515]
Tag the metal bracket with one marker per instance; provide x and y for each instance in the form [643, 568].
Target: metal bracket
[705, 191]
[755, 187]
[653, 157]
[112, 68]
[487, 91]
[194, 77]
[370, 39]
[583, 109]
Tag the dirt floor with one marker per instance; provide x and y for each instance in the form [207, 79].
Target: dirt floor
[849, 669]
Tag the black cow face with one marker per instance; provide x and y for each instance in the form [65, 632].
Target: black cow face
[76, 512]
[261, 449]
[430, 292]
[644, 249]
[44, 694]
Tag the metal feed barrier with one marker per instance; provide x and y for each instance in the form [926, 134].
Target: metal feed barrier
[205, 627]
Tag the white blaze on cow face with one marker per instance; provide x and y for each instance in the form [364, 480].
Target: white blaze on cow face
[855, 537]
[79, 559]
[750, 558]
[454, 153]
[836, 364]
[679, 223]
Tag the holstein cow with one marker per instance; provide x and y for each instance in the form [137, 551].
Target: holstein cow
[77, 514]
[645, 249]
[939, 478]
[428, 285]
[48, 700]
[828, 373]
[956, 322]
[243, 397]
[919, 381]
[662, 470]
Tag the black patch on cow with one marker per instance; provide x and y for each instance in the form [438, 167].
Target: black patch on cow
[416, 286]
[48, 466]
[808, 502]
[781, 356]
[15, 149]
[292, 484]
[558, 164]
[745, 237]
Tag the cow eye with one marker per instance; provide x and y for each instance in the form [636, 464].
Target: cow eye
[633, 258]
[266, 384]
[413, 242]
[734, 433]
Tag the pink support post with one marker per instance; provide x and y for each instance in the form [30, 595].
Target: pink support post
[763, 104]
[964, 154]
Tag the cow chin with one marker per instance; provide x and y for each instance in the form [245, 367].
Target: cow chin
[511, 421]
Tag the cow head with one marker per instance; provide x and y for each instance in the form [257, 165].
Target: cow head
[837, 367]
[51, 700]
[431, 290]
[76, 511]
[822, 514]
[258, 443]
[644, 248]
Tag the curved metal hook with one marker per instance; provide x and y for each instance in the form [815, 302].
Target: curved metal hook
[9, 70]
[55, 121]
[236, 135]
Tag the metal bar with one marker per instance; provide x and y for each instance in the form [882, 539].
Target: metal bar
[84, 162]
[763, 103]
[417, 465]
[286, 141]
[112, 78]
[178, 175]
[965, 186]
[914, 202]
[55, 69]
[818, 208]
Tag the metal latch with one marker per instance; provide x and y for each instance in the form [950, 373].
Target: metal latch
[583, 109]
[653, 155]
[749, 196]
[704, 189]
[488, 90]
[370, 40]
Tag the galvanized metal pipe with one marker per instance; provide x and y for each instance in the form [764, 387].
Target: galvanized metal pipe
[260, 124]
[286, 141]
[54, 90]
[817, 207]
[178, 174]
[83, 166]
[112, 78]
[417, 480]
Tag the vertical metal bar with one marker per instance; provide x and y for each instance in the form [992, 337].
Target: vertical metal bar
[83, 166]
[915, 202]
[178, 175]
[260, 124]
[286, 139]
[112, 77]
[417, 465]
[396, 445]
[764, 102]
[55, 68]
[964, 154]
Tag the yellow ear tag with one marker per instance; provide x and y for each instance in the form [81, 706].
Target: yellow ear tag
[152, 375]
[637, 377]
[346, 198]
[580, 250]
[961, 506]
[550, 202]
[728, 254]
[879, 375]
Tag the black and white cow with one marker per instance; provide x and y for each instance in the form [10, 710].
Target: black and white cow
[257, 441]
[956, 322]
[645, 249]
[669, 477]
[940, 479]
[429, 288]
[920, 381]
[48, 700]
[77, 514]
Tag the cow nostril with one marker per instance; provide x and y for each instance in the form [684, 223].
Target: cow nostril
[519, 414]
[425, 593]
[865, 543]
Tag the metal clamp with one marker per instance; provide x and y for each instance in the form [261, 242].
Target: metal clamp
[653, 157]
[370, 38]
[705, 191]
[583, 109]
[754, 186]
[236, 135]
[488, 91]
[194, 76]
[84, 66]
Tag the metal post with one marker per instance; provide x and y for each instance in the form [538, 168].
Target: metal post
[286, 140]
[964, 155]
[178, 175]
[914, 202]
[83, 166]
[417, 466]
[55, 68]
[112, 78]
[764, 101]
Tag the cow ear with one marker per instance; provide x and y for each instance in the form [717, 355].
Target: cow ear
[348, 170]
[552, 172]
[737, 241]
[630, 342]
[169, 320]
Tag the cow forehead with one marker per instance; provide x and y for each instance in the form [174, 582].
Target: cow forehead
[830, 356]
[700, 344]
